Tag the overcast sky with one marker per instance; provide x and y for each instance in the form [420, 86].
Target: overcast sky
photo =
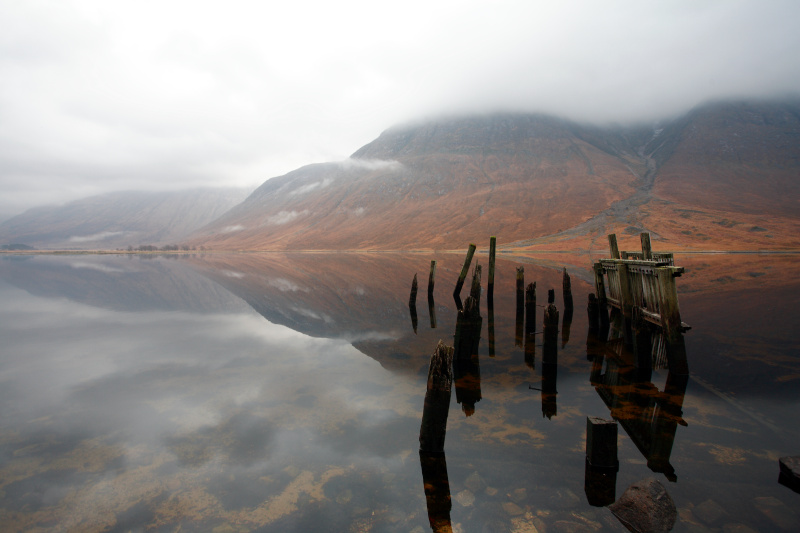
[109, 95]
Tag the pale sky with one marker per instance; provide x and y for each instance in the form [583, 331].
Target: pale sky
[104, 95]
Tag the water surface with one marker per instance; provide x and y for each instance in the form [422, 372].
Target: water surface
[272, 392]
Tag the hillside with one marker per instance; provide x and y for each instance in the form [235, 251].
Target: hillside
[436, 185]
[120, 219]
[724, 176]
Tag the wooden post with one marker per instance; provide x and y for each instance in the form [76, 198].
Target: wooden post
[600, 478]
[566, 288]
[464, 270]
[492, 248]
[599, 283]
[550, 335]
[647, 252]
[530, 309]
[601, 442]
[437, 400]
[520, 306]
[431, 278]
[412, 304]
[612, 243]
[626, 298]
[671, 319]
[475, 289]
[490, 306]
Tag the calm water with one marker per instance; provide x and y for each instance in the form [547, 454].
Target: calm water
[284, 393]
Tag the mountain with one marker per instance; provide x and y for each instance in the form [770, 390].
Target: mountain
[436, 185]
[723, 176]
[120, 219]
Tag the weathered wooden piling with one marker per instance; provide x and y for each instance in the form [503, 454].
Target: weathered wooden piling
[475, 289]
[520, 306]
[412, 310]
[647, 251]
[529, 348]
[492, 249]
[550, 333]
[601, 442]
[599, 283]
[432, 310]
[566, 290]
[437, 400]
[612, 243]
[464, 270]
[530, 309]
[600, 478]
[490, 308]
[431, 279]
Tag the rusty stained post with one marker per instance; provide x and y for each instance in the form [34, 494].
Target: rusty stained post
[464, 270]
[612, 243]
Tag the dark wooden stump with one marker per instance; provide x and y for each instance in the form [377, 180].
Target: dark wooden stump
[464, 270]
[437, 400]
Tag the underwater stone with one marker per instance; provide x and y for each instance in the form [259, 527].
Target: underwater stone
[645, 506]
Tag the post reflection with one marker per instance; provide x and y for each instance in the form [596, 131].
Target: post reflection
[621, 373]
[550, 359]
[437, 490]
[466, 363]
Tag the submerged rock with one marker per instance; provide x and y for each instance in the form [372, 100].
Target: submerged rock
[645, 506]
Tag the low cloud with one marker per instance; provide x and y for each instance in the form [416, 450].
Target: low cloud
[371, 164]
[311, 186]
[284, 217]
[231, 229]
[96, 237]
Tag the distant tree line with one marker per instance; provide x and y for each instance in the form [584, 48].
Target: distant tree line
[165, 248]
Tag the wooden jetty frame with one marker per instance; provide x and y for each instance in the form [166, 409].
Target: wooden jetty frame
[641, 285]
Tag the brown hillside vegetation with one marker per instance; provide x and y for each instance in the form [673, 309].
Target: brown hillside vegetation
[722, 177]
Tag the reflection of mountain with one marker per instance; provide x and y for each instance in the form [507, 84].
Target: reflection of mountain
[121, 283]
[364, 298]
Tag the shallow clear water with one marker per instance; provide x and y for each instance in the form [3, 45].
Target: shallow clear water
[266, 392]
